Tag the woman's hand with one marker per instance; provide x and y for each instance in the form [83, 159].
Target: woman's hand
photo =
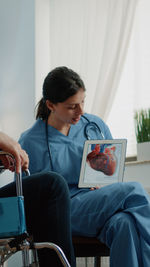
[94, 188]
[9, 145]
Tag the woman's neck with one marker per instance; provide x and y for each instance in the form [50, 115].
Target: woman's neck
[60, 126]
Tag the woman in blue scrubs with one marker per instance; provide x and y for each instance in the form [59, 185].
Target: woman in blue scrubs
[117, 214]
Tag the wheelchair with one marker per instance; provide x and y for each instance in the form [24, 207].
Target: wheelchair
[13, 241]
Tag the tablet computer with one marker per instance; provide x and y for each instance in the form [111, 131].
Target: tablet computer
[103, 162]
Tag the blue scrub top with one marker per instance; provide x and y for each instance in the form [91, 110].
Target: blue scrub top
[66, 151]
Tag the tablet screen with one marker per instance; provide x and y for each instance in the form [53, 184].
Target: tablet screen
[103, 162]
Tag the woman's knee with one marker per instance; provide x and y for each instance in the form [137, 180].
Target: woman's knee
[135, 195]
[134, 186]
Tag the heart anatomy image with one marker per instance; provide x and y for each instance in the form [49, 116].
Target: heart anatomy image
[102, 158]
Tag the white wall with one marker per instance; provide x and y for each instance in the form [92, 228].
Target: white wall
[17, 67]
[17, 73]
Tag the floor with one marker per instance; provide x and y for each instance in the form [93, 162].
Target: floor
[89, 262]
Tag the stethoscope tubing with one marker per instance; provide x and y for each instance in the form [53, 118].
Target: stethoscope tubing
[88, 125]
[48, 146]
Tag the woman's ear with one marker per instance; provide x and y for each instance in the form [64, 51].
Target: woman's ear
[50, 105]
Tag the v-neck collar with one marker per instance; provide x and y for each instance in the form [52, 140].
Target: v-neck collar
[72, 130]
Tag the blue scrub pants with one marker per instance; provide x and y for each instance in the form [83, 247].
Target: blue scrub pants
[119, 216]
[47, 209]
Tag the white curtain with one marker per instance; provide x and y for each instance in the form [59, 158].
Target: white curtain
[133, 92]
[91, 37]
[115, 41]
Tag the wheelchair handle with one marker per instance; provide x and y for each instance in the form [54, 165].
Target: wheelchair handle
[17, 176]
[18, 180]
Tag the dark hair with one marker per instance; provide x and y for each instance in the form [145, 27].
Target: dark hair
[58, 86]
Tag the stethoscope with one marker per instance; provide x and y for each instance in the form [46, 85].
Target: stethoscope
[89, 126]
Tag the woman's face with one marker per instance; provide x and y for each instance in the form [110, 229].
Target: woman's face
[69, 111]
